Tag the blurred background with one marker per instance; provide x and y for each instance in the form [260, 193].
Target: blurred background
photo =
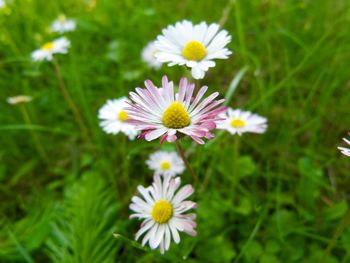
[64, 193]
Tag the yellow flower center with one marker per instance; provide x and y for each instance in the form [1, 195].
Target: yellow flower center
[48, 46]
[162, 211]
[194, 50]
[123, 115]
[62, 19]
[176, 116]
[165, 165]
[237, 123]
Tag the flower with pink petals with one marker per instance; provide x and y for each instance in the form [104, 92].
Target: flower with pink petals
[160, 112]
[162, 207]
[343, 150]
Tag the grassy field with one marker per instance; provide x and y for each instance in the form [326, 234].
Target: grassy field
[64, 193]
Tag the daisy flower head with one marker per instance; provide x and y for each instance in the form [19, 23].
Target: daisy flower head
[62, 24]
[163, 207]
[195, 46]
[162, 112]
[113, 118]
[166, 163]
[239, 122]
[148, 55]
[19, 99]
[46, 52]
[343, 150]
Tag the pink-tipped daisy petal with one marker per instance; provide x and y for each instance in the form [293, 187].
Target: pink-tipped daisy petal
[161, 112]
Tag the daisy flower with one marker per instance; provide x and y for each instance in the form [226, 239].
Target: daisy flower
[2, 4]
[195, 46]
[343, 150]
[162, 208]
[159, 112]
[113, 118]
[62, 24]
[239, 122]
[166, 163]
[46, 52]
[19, 99]
[148, 56]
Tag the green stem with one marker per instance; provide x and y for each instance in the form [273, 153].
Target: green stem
[236, 142]
[198, 84]
[226, 12]
[183, 156]
[240, 30]
[340, 229]
[69, 100]
[125, 159]
[36, 140]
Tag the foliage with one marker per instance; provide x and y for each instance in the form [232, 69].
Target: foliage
[290, 189]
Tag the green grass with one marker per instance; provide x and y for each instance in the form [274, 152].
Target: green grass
[63, 195]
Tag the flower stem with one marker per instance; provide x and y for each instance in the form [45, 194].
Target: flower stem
[236, 142]
[198, 84]
[339, 231]
[69, 100]
[183, 156]
[125, 160]
[226, 12]
[36, 140]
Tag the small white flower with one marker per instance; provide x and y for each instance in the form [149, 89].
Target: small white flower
[113, 118]
[62, 24]
[166, 163]
[238, 121]
[46, 52]
[162, 209]
[343, 150]
[19, 99]
[148, 55]
[2, 4]
[195, 46]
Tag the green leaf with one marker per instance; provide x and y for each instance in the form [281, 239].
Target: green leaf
[253, 251]
[268, 258]
[23, 253]
[130, 242]
[215, 249]
[234, 84]
[244, 207]
[272, 246]
[246, 166]
[84, 228]
[335, 212]
[26, 168]
[310, 183]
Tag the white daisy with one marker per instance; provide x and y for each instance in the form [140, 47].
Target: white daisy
[162, 207]
[343, 150]
[19, 99]
[113, 117]
[195, 46]
[148, 55]
[62, 24]
[238, 121]
[46, 52]
[163, 112]
[2, 4]
[166, 163]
